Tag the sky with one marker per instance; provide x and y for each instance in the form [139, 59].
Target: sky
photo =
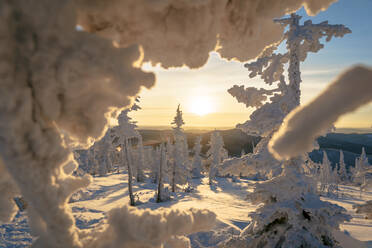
[202, 93]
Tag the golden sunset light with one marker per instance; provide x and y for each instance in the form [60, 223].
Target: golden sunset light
[185, 124]
[201, 105]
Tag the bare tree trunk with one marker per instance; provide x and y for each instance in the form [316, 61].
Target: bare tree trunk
[130, 190]
[160, 176]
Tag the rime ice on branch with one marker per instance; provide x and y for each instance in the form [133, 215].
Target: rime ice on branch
[300, 40]
[274, 104]
[293, 214]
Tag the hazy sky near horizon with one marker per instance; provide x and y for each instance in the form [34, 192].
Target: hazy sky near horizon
[205, 90]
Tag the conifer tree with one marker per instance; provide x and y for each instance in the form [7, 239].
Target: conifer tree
[325, 173]
[342, 172]
[215, 154]
[162, 193]
[361, 166]
[181, 166]
[122, 135]
[197, 161]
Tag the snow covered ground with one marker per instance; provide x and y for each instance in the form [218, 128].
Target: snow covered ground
[226, 198]
[359, 227]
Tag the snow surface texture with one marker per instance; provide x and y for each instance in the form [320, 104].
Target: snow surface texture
[300, 128]
[55, 79]
[227, 200]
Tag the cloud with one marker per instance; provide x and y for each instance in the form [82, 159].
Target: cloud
[303, 125]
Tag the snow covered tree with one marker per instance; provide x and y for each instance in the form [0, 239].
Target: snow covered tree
[361, 166]
[360, 170]
[292, 215]
[272, 105]
[342, 172]
[181, 166]
[129, 127]
[178, 119]
[325, 173]
[169, 155]
[102, 154]
[310, 168]
[295, 218]
[140, 160]
[365, 208]
[162, 193]
[122, 135]
[129, 167]
[215, 154]
[328, 177]
[197, 161]
[154, 163]
[335, 180]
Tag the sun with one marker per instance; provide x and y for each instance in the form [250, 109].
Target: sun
[201, 105]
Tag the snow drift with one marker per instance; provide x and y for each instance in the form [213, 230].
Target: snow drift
[296, 136]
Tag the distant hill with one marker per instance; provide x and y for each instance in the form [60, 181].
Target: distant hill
[351, 144]
[235, 140]
[348, 142]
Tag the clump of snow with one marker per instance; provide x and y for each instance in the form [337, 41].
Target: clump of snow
[130, 227]
[304, 124]
[168, 30]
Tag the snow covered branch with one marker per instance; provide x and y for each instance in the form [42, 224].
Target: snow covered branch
[133, 228]
[300, 128]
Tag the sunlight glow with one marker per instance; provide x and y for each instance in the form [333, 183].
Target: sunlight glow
[201, 105]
